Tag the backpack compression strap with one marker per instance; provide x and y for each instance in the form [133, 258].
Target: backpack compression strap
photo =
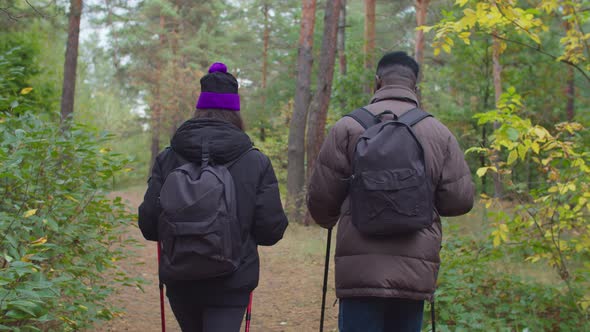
[413, 116]
[364, 117]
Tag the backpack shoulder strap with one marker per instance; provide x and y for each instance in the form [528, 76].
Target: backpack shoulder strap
[364, 117]
[413, 116]
[231, 163]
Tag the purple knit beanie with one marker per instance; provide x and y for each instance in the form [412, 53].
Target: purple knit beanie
[219, 89]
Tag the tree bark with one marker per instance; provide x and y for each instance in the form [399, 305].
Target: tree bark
[341, 39]
[266, 38]
[321, 101]
[369, 43]
[296, 144]
[570, 93]
[265, 44]
[156, 118]
[570, 87]
[421, 11]
[71, 61]
[316, 123]
[497, 75]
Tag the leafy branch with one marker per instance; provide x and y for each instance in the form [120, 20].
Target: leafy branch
[540, 50]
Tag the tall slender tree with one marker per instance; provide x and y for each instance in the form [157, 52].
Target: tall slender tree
[421, 11]
[341, 39]
[71, 61]
[318, 111]
[265, 44]
[156, 103]
[497, 78]
[369, 42]
[296, 145]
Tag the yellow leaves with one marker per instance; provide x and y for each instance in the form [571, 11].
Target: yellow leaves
[26, 258]
[585, 303]
[425, 28]
[535, 147]
[25, 91]
[469, 20]
[39, 241]
[549, 6]
[483, 170]
[30, 213]
[500, 235]
[105, 150]
[535, 38]
[512, 156]
[464, 36]
[461, 3]
[533, 259]
[541, 132]
[563, 188]
[71, 198]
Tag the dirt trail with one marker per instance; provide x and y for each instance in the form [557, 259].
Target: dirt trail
[288, 297]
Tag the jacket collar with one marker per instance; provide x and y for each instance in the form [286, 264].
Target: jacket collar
[398, 92]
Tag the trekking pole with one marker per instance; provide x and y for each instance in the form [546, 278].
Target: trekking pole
[432, 316]
[249, 314]
[325, 288]
[161, 285]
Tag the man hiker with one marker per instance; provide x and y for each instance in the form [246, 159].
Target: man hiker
[388, 186]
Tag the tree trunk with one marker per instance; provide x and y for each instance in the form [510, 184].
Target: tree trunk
[421, 11]
[71, 61]
[497, 75]
[176, 110]
[156, 105]
[570, 84]
[321, 101]
[570, 94]
[369, 43]
[265, 44]
[296, 150]
[319, 107]
[115, 38]
[341, 39]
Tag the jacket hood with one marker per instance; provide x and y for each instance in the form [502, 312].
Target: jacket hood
[226, 141]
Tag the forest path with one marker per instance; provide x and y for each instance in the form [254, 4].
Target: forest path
[288, 297]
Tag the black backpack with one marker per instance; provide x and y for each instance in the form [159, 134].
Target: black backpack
[390, 192]
[198, 229]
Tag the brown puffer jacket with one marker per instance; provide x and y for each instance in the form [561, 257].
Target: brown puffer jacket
[398, 266]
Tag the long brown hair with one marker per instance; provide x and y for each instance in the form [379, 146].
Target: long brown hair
[232, 117]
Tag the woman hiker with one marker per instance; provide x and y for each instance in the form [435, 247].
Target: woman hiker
[214, 136]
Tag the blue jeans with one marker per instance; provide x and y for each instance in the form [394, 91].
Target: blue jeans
[373, 314]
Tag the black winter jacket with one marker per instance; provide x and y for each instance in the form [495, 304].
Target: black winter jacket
[259, 205]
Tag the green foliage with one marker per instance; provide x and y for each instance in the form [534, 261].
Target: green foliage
[60, 233]
[475, 295]
[272, 138]
[348, 90]
[18, 71]
[551, 221]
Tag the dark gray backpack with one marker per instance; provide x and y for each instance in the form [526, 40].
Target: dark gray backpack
[390, 192]
[198, 229]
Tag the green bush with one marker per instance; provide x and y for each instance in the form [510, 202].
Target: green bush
[475, 295]
[60, 235]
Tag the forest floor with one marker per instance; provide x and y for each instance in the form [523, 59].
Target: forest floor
[288, 297]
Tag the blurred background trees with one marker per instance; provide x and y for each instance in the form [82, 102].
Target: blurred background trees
[504, 76]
